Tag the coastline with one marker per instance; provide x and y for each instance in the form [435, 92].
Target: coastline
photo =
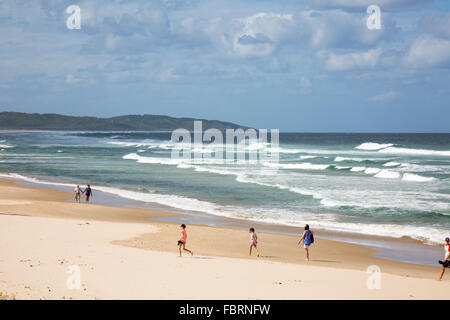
[31, 215]
[397, 249]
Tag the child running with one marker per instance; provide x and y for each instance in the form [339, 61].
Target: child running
[446, 262]
[182, 241]
[253, 241]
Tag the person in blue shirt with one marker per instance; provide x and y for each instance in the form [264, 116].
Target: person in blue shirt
[307, 240]
[88, 192]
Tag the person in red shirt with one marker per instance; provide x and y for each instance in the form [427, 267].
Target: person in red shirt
[182, 241]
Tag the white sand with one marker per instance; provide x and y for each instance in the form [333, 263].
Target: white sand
[35, 253]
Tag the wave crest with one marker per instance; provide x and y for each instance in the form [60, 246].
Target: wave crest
[371, 146]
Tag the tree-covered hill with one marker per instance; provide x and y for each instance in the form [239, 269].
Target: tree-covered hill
[37, 121]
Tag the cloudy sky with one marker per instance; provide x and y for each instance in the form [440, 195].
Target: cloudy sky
[310, 65]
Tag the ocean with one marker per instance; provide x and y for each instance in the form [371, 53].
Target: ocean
[395, 185]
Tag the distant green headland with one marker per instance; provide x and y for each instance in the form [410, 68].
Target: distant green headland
[147, 122]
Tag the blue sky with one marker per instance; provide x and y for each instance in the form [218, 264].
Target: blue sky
[303, 66]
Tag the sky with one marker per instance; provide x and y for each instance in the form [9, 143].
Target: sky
[293, 65]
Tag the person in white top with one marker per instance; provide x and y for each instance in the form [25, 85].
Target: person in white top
[446, 262]
[77, 193]
[253, 241]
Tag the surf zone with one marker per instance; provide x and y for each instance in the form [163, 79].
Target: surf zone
[238, 145]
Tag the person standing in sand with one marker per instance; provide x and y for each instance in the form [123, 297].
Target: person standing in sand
[446, 262]
[253, 241]
[307, 238]
[182, 241]
[88, 193]
[78, 193]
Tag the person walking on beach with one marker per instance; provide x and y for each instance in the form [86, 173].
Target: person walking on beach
[253, 241]
[446, 262]
[307, 238]
[182, 241]
[88, 193]
[78, 193]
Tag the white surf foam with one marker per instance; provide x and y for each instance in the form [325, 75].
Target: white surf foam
[416, 178]
[371, 146]
[152, 160]
[419, 152]
[175, 201]
[387, 174]
[391, 164]
[231, 172]
[372, 170]
[340, 159]
[298, 166]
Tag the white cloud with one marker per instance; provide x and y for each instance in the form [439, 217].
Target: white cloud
[339, 29]
[258, 34]
[356, 60]
[383, 97]
[428, 52]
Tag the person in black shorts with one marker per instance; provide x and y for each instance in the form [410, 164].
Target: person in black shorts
[446, 262]
[182, 242]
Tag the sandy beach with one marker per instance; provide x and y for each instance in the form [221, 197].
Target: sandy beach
[122, 254]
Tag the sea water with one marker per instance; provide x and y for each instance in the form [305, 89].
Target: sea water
[392, 185]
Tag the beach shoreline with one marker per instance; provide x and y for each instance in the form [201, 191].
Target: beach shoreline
[403, 249]
[41, 234]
